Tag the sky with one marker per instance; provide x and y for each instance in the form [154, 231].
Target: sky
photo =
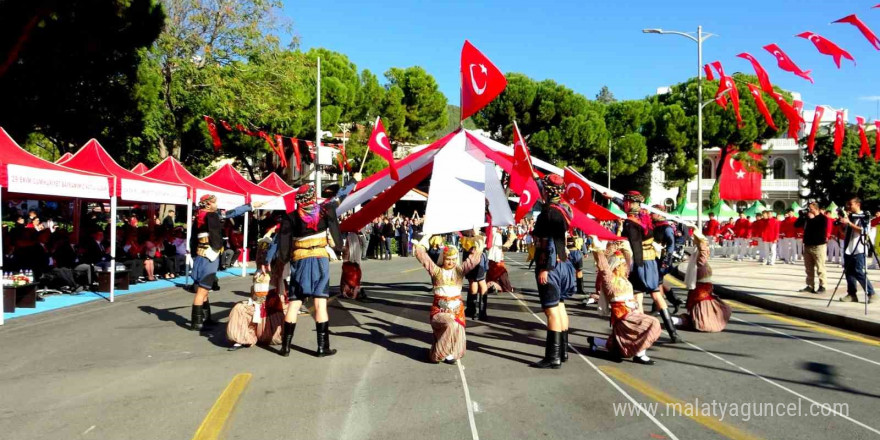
[587, 44]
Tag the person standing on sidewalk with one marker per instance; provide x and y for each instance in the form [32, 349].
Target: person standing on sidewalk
[787, 238]
[771, 237]
[711, 230]
[815, 226]
[758, 234]
[742, 232]
[855, 250]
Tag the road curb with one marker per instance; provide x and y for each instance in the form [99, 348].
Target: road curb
[844, 322]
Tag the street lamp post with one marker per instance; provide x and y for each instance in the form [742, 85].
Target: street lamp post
[699, 38]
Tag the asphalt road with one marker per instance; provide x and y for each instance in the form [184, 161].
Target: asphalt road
[131, 370]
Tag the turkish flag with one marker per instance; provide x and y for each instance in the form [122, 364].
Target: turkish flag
[785, 63]
[794, 118]
[817, 117]
[590, 227]
[717, 66]
[709, 75]
[763, 77]
[522, 181]
[279, 150]
[866, 31]
[839, 132]
[481, 81]
[826, 47]
[226, 125]
[877, 141]
[736, 182]
[759, 101]
[212, 130]
[865, 149]
[720, 98]
[294, 142]
[344, 157]
[729, 86]
[380, 145]
[579, 195]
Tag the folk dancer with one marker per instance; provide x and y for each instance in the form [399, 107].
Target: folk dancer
[497, 278]
[664, 235]
[314, 228]
[350, 282]
[553, 272]
[477, 298]
[209, 247]
[632, 332]
[447, 314]
[705, 311]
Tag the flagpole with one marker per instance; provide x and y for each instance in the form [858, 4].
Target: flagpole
[367, 151]
[699, 128]
[318, 136]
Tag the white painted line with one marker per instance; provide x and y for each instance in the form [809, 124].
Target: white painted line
[810, 342]
[642, 409]
[467, 399]
[783, 387]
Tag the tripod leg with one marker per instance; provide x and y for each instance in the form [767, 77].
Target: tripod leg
[835, 288]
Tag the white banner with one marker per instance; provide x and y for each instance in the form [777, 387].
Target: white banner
[30, 180]
[457, 198]
[224, 200]
[275, 202]
[154, 192]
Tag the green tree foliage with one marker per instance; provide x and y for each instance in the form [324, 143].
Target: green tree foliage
[68, 70]
[605, 96]
[836, 179]
[413, 95]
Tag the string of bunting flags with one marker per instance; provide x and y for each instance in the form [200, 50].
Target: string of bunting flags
[278, 143]
[727, 91]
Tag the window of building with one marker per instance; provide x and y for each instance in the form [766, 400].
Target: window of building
[778, 168]
[741, 206]
[778, 206]
[708, 169]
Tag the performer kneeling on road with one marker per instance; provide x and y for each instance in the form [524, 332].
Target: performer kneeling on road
[705, 311]
[632, 332]
[209, 246]
[644, 275]
[553, 272]
[447, 313]
[314, 227]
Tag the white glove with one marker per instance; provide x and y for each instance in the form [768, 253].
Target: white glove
[189, 260]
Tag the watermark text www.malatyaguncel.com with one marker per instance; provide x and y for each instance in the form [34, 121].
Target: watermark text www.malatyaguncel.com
[744, 411]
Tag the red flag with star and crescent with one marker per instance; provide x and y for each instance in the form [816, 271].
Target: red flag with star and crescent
[579, 195]
[785, 63]
[762, 107]
[827, 47]
[763, 77]
[865, 149]
[522, 181]
[720, 98]
[839, 132]
[380, 145]
[709, 75]
[794, 118]
[727, 87]
[877, 141]
[481, 81]
[212, 130]
[737, 183]
[817, 118]
[863, 28]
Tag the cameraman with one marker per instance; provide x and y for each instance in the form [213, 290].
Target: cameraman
[855, 224]
[815, 226]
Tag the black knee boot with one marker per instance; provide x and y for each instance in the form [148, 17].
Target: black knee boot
[323, 331]
[672, 300]
[551, 351]
[670, 328]
[287, 337]
[580, 285]
[470, 309]
[197, 318]
[206, 311]
[563, 349]
[484, 302]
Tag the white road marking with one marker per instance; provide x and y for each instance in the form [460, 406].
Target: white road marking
[467, 399]
[789, 390]
[642, 409]
[88, 430]
[810, 342]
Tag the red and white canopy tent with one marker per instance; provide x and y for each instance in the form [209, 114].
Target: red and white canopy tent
[23, 173]
[64, 157]
[170, 170]
[228, 178]
[140, 168]
[276, 184]
[128, 186]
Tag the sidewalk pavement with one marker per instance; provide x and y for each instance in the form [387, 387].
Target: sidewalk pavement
[776, 288]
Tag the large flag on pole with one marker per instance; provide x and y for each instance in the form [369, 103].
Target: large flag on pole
[839, 132]
[380, 145]
[817, 118]
[522, 181]
[481, 81]
[737, 183]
